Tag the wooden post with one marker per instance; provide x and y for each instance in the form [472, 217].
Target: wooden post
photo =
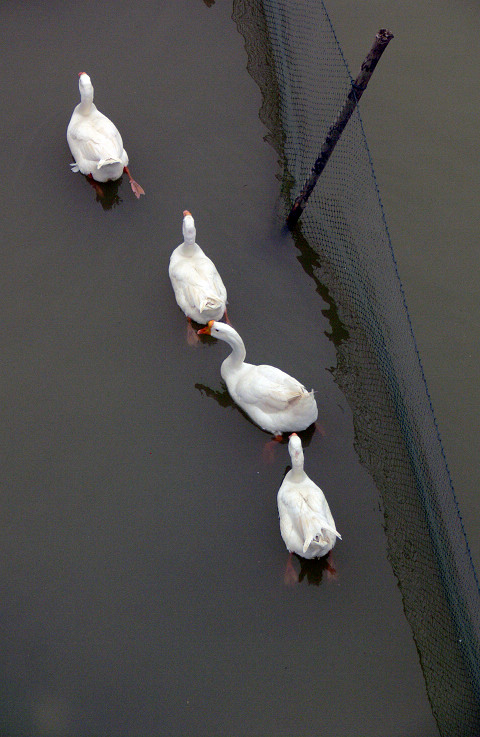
[382, 39]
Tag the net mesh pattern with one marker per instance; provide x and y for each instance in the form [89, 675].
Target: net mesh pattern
[344, 245]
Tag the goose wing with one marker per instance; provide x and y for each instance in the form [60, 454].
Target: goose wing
[314, 513]
[95, 139]
[197, 283]
[218, 285]
[270, 387]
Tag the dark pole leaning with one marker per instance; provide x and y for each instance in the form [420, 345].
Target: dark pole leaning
[382, 39]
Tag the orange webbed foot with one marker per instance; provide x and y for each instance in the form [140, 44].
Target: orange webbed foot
[136, 188]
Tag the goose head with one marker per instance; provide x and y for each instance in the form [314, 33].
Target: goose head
[207, 330]
[85, 86]
[188, 227]
[225, 332]
[296, 451]
[219, 330]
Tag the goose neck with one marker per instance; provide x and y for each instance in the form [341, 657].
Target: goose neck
[189, 246]
[237, 356]
[86, 100]
[297, 473]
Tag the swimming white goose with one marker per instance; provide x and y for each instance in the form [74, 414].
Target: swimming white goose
[198, 287]
[306, 523]
[95, 142]
[274, 400]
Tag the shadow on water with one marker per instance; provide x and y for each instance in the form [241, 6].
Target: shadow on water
[223, 398]
[314, 570]
[106, 192]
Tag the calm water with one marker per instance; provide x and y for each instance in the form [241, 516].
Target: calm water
[142, 576]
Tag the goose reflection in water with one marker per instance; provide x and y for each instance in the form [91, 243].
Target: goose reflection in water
[107, 193]
[219, 395]
[313, 570]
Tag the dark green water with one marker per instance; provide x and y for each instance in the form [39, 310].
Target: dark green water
[142, 577]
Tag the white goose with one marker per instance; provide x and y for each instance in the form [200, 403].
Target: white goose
[274, 400]
[306, 523]
[198, 287]
[95, 142]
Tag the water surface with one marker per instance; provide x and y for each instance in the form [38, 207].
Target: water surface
[142, 571]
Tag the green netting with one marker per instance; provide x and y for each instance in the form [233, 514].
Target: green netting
[344, 245]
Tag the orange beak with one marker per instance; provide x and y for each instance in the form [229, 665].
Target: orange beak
[207, 330]
[185, 213]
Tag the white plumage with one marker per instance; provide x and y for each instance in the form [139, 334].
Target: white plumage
[95, 142]
[274, 400]
[306, 523]
[198, 287]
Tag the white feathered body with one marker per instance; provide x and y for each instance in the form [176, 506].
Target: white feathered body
[95, 141]
[198, 287]
[306, 523]
[274, 400]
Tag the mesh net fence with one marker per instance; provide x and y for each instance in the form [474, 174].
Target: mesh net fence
[344, 245]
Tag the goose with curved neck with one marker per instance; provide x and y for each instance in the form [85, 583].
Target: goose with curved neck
[306, 522]
[274, 400]
[199, 290]
[95, 142]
